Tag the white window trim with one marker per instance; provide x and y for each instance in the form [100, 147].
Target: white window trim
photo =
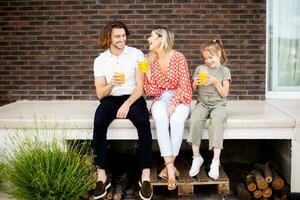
[282, 95]
[275, 94]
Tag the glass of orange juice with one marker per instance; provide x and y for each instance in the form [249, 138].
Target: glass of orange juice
[121, 76]
[143, 66]
[202, 76]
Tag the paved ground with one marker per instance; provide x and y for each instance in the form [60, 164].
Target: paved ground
[201, 193]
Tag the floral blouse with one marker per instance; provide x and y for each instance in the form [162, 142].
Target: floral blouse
[176, 78]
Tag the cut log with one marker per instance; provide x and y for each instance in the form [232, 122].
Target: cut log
[250, 182]
[283, 197]
[278, 182]
[285, 189]
[267, 192]
[268, 173]
[275, 197]
[257, 194]
[242, 192]
[259, 179]
[282, 194]
[266, 170]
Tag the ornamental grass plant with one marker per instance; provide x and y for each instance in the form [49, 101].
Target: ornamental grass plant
[2, 174]
[2, 171]
[39, 170]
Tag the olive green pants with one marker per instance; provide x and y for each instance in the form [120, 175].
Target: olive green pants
[216, 125]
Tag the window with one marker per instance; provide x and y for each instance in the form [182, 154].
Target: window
[283, 58]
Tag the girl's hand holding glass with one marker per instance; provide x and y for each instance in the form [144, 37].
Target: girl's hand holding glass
[203, 81]
[211, 80]
[196, 81]
[202, 76]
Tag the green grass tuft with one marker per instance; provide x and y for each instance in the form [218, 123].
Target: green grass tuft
[38, 170]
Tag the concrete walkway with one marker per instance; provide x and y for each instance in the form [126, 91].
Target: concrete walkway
[207, 196]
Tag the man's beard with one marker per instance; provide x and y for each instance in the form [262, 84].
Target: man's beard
[117, 47]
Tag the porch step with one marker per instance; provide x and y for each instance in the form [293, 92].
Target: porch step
[185, 182]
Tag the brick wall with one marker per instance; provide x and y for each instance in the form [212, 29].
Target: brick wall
[47, 48]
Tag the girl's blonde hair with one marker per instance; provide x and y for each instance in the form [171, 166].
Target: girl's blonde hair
[167, 37]
[213, 46]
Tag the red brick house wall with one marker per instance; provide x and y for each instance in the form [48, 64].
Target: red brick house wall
[48, 47]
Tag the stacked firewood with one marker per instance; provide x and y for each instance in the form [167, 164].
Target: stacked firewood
[262, 182]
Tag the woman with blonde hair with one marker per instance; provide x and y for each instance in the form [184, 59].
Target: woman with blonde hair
[168, 80]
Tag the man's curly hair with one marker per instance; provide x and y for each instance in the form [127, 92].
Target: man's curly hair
[105, 34]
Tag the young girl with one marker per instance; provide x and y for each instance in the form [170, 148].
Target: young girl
[212, 84]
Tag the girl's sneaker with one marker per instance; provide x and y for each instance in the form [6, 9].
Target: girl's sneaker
[214, 169]
[196, 165]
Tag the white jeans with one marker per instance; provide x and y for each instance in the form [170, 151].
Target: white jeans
[169, 131]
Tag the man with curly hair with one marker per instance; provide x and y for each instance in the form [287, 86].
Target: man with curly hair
[119, 87]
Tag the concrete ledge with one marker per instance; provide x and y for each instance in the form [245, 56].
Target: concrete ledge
[246, 119]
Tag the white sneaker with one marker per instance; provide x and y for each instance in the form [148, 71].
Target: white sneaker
[214, 169]
[196, 164]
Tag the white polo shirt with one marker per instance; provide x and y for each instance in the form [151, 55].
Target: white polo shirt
[106, 64]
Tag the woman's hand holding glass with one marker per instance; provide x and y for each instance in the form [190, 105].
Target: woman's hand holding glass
[144, 68]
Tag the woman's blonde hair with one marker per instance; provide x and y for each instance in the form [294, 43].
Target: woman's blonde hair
[167, 37]
[213, 46]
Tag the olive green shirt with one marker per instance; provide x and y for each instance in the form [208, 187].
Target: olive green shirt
[208, 94]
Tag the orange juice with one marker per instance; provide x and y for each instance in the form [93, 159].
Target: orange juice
[202, 77]
[121, 76]
[143, 66]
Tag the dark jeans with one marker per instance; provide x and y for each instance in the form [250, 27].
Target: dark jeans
[138, 114]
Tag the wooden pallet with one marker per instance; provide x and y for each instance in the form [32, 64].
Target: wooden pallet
[186, 183]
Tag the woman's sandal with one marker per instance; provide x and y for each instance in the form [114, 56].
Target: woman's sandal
[164, 173]
[172, 184]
